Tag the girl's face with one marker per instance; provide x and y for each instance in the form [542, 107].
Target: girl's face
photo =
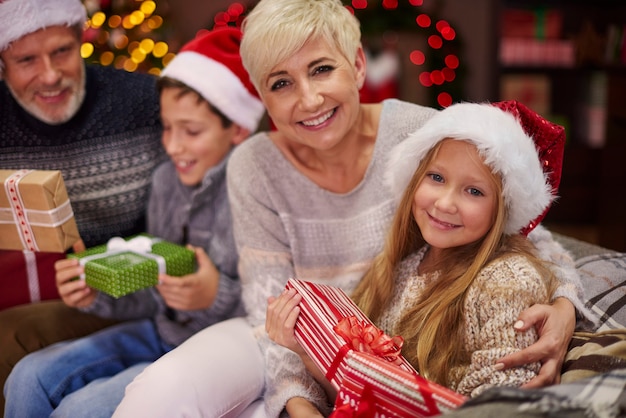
[455, 203]
[193, 136]
[313, 96]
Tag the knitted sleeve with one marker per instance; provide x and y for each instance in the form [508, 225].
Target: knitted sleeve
[564, 268]
[265, 261]
[265, 264]
[501, 291]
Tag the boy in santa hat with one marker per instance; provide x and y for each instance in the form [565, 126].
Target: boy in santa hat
[208, 106]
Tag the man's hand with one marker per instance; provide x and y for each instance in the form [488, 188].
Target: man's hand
[555, 325]
[194, 291]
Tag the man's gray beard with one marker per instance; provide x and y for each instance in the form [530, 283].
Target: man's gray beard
[72, 108]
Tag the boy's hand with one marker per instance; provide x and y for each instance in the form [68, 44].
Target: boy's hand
[74, 293]
[194, 291]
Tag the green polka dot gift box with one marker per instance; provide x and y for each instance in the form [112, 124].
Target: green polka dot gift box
[124, 266]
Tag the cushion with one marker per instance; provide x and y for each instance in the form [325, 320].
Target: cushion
[603, 278]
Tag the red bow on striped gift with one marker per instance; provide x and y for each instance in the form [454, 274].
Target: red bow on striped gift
[366, 338]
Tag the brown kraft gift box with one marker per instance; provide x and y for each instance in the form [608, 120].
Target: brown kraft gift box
[35, 212]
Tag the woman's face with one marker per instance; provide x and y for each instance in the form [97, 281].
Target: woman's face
[193, 136]
[313, 96]
[455, 203]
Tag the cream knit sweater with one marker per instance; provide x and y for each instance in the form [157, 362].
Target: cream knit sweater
[501, 291]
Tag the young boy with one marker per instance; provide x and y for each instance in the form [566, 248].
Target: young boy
[208, 106]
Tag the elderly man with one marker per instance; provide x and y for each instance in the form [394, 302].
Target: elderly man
[99, 126]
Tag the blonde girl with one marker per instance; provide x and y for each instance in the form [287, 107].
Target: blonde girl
[456, 271]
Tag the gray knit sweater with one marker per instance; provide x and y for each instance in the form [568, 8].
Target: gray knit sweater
[199, 216]
[286, 226]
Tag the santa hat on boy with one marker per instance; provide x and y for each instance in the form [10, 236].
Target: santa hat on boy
[524, 148]
[211, 65]
[22, 17]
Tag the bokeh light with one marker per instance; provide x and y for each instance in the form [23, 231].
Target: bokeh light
[423, 20]
[417, 57]
[444, 99]
[86, 49]
[435, 41]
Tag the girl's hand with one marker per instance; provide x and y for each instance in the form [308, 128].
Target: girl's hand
[555, 325]
[280, 320]
[194, 291]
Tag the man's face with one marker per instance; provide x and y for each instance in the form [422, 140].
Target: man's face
[46, 74]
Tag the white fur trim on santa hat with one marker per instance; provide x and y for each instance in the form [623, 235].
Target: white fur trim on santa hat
[219, 85]
[21, 17]
[501, 141]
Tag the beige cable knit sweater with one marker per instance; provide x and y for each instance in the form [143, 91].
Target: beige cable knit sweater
[496, 297]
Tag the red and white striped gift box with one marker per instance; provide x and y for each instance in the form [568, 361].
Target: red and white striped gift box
[383, 387]
[322, 308]
[373, 387]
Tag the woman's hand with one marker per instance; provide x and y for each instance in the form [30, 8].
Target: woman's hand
[280, 320]
[74, 293]
[555, 325]
[194, 291]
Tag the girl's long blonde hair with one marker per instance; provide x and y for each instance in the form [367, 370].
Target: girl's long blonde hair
[432, 327]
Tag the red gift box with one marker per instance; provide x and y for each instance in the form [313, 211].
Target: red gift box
[27, 277]
[322, 307]
[374, 387]
[392, 383]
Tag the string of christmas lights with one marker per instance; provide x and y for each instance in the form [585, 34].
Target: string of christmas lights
[126, 34]
[131, 35]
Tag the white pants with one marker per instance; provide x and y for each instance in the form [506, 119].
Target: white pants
[219, 372]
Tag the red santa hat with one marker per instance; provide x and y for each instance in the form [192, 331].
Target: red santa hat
[524, 148]
[22, 17]
[211, 65]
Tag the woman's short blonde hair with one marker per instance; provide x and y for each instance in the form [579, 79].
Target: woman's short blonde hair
[276, 29]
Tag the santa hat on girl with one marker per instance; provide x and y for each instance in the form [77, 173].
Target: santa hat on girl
[211, 65]
[22, 17]
[524, 148]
